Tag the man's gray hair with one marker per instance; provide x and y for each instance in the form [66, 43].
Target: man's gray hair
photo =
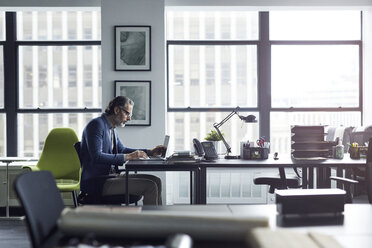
[119, 101]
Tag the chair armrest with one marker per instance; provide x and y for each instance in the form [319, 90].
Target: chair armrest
[30, 167]
[344, 180]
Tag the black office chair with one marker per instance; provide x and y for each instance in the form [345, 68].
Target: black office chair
[366, 179]
[281, 181]
[276, 182]
[369, 171]
[344, 134]
[42, 203]
[355, 181]
[86, 199]
[347, 184]
[360, 135]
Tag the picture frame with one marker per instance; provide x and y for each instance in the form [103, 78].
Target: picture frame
[140, 93]
[132, 48]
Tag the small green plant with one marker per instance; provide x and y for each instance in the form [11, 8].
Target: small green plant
[213, 136]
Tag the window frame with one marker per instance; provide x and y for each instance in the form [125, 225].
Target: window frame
[205, 43]
[264, 45]
[11, 83]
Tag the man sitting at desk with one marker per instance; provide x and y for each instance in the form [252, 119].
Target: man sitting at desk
[102, 151]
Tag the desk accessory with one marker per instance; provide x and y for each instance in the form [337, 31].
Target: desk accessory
[255, 153]
[276, 156]
[205, 149]
[354, 151]
[339, 151]
[363, 150]
[246, 119]
[182, 157]
[308, 142]
[310, 201]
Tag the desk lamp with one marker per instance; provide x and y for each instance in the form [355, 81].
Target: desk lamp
[246, 119]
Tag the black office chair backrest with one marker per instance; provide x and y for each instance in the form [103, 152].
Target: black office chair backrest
[42, 203]
[343, 133]
[369, 171]
[361, 135]
[77, 147]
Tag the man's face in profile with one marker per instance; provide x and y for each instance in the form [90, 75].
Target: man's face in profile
[123, 115]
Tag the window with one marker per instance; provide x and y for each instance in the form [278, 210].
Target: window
[211, 69]
[2, 114]
[315, 25]
[315, 76]
[285, 67]
[58, 52]
[314, 61]
[315, 65]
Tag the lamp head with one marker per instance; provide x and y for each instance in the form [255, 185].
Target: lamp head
[248, 119]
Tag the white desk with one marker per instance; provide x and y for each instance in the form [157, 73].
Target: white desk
[7, 161]
[351, 229]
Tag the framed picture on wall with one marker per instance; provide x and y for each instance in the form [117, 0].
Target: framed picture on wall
[133, 48]
[140, 93]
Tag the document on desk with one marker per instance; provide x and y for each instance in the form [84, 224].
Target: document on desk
[158, 224]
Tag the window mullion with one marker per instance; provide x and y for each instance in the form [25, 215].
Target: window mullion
[10, 84]
[264, 75]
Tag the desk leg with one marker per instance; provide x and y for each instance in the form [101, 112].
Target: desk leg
[127, 187]
[305, 182]
[7, 213]
[197, 186]
[311, 177]
[7, 191]
[191, 188]
[203, 185]
[323, 175]
[339, 173]
[283, 177]
[327, 175]
[320, 178]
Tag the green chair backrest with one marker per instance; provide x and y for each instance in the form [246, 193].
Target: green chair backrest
[59, 155]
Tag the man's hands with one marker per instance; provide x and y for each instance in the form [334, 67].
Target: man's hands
[136, 155]
[158, 151]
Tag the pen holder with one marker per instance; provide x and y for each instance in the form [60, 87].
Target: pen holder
[255, 153]
[363, 150]
[354, 152]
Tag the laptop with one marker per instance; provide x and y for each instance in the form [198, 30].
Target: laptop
[160, 158]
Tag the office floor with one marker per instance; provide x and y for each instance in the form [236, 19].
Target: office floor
[13, 233]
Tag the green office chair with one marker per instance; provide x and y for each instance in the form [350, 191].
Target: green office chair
[60, 158]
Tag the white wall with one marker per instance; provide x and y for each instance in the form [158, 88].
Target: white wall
[272, 3]
[367, 68]
[49, 3]
[136, 12]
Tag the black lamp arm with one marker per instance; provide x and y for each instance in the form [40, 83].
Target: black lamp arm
[218, 125]
[228, 148]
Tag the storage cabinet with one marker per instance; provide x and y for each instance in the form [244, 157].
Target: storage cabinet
[14, 171]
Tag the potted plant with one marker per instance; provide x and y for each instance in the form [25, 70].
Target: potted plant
[216, 139]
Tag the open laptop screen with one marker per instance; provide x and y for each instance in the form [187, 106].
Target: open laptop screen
[166, 142]
[163, 157]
